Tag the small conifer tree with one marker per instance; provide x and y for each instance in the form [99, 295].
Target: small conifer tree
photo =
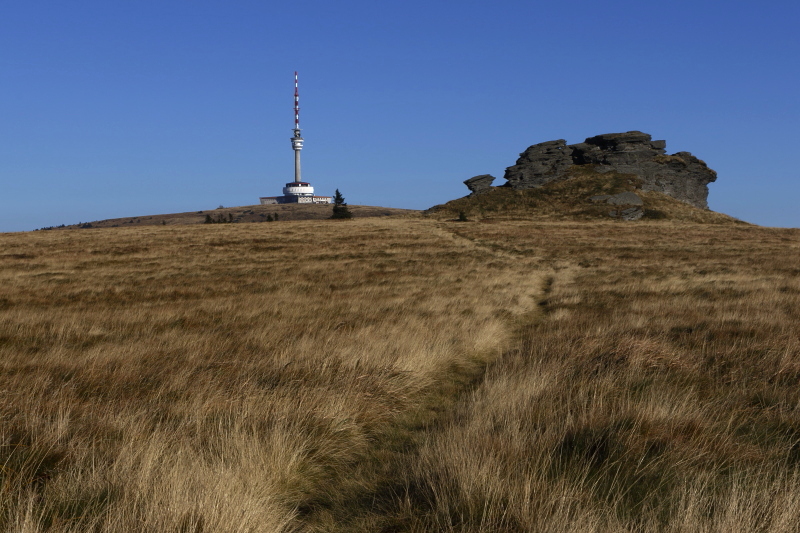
[340, 209]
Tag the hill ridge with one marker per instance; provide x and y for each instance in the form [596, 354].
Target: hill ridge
[246, 213]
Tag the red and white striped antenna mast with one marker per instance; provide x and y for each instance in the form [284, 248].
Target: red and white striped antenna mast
[296, 104]
[297, 140]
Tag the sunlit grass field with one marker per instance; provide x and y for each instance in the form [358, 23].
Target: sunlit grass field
[401, 374]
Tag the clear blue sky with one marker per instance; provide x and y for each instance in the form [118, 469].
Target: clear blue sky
[121, 108]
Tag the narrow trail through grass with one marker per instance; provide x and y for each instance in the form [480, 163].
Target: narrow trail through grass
[387, 494]
[656, 392]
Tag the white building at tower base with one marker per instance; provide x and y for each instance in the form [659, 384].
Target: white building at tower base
[297, 192]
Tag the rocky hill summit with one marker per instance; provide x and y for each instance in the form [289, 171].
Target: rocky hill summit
[680, 175]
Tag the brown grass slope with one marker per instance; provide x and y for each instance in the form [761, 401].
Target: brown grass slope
[250, 377]
[401, 375]
[247, 213]
[569, 200]
[659, 392]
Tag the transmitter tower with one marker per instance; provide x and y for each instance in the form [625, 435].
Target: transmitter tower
[297, 191]
[297, 139]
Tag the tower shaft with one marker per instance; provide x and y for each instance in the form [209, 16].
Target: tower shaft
[297, 140]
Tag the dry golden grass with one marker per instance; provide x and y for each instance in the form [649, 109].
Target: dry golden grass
[401, 375]
[658, 393]
[252, 377]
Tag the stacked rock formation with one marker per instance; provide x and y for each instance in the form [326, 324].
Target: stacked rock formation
[680, 175]
[480, 183]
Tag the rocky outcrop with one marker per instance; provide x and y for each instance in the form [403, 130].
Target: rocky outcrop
[480, 183]
[680, 175]
[623, 198]
[630, 213]
[630, 200]
[540, 164]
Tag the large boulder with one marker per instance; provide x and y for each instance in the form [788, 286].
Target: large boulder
[681, 175]
[621, 152]
[539, 164]
[480, 183]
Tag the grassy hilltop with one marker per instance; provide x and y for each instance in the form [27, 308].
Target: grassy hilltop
[247, 213]
[401, 374]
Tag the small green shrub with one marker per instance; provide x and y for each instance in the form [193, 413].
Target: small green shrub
[340, 209]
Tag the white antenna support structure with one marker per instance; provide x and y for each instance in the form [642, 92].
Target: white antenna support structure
[297, 140]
